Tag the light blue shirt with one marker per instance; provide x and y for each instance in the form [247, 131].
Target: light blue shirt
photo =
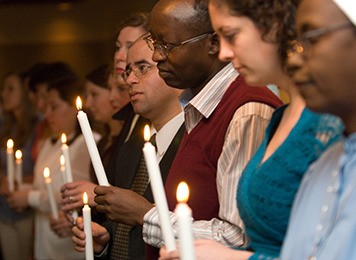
[323, 219]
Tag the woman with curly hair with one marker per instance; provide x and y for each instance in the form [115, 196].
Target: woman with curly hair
[255, 36]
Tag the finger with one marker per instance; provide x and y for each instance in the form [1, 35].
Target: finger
[100, 200]
[101, 190]
[101, 208]
[80, 243]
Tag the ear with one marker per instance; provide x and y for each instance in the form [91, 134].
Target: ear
[215, 44]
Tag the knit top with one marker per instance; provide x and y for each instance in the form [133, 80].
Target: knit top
[266, 190]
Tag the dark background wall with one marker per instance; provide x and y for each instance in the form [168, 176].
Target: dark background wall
[81, 33]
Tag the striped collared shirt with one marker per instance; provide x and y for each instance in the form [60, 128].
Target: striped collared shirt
[243, 136]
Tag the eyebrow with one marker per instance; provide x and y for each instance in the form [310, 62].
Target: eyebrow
[139, 62]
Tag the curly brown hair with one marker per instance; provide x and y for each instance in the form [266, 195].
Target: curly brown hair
[274, 18]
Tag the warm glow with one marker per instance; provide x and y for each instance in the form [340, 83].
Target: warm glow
[10, 144]
[62, 160]
[46, 172]
[85, 198]
[63, 138]
[182, 192]
[146, 133]
[78, 102]
[18, 155]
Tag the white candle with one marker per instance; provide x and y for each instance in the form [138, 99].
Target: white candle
[89, 255]
[92, 148]
[18, 156]
[184, 216]
[159, 195]
[62, 162]
[51, 197]
[65, 152]
[10, 164]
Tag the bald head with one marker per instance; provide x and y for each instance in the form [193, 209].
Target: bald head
[193, 13]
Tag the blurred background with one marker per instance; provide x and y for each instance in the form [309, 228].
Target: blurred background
[80, 32]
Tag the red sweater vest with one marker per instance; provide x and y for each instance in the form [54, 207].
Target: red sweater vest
[199, 151]
[197, 157]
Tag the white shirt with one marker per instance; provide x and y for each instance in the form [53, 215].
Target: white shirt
[47, 244]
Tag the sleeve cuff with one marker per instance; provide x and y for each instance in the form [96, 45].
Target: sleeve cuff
[34, 198]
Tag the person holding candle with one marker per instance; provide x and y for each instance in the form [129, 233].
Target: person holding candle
[98, 84]
[129, 30]
[61, 117]
[273, 175]
[126, 203]
[224, 115]
[19, 124]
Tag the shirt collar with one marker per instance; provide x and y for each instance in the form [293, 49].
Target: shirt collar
[209, 97]
[166, 134]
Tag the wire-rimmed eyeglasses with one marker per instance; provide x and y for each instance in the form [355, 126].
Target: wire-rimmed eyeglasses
[138, 71]
[307, 39]
[166, 48]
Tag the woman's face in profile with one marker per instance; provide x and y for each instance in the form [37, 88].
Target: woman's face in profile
[328, 60]
[241, 43]
[124, 40]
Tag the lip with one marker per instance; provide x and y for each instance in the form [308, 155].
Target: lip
[119, 70]
[240, 69]
[303, 84]
[134, 95]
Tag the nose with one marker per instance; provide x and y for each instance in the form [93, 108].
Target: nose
[89, 101]
[132, 79]
[294, 63]
[47, 112]
[120, 54]
[158, 56]
[225, 53]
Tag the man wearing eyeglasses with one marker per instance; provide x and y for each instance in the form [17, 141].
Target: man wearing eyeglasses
[224, 119]
[132, 197]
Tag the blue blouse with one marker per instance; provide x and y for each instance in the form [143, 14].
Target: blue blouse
[266, 190]
[323, 222]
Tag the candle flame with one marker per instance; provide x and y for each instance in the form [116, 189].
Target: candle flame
[78, 102]
[182, 192]
[62, 160]
[46, 172]
[85, 198]
[63, 138]
[146, 133]
[18, 155]
[10, 144]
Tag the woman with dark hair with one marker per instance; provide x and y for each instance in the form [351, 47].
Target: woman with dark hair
[61, 116]
[19, 124]
[255, 36]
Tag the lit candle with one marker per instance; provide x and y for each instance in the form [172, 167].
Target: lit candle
[159, 195]
[92, 148]
[89, 255]
[184, 216]
[51, 197]
[18, 156]
[10, 164]
[65, 152]
[62, 162]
